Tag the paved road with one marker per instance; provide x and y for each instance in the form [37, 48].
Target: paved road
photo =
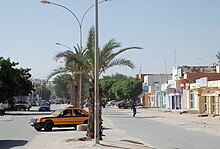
[16, 132]
[160, 135]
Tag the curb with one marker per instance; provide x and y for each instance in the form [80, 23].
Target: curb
[6, 118]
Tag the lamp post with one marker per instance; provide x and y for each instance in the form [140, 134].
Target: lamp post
[96, 120]
[80, 23]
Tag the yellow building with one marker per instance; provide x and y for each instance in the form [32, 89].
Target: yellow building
[208, 96]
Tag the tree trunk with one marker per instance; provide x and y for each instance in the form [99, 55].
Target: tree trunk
[90, 130]
[76, 94]
[82, 91]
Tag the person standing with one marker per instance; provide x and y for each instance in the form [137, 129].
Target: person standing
[134, 108]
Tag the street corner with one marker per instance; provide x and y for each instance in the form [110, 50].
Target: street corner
[6, 118]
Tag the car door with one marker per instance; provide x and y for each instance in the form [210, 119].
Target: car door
[66, 118]
[79, 116]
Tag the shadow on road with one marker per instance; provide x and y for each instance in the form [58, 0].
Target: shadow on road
[107, 128]
[112, 114]
[27, 113]
[149, 117]
[136, 117]
[7, 144]
[58, 130]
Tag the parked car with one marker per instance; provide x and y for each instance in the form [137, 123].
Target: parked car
[111, 102]
[58, 102]
[66, 117]
[124, 104]
[33, 103]
[6, 106]
[19, 105]
[44, 106]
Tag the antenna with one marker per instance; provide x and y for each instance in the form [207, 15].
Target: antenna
[199, 59]
[166, 70]
[174, 57]
[140, 70]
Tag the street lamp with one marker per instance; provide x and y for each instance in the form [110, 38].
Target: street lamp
[80, 23]
[60, 44]
[96, 121]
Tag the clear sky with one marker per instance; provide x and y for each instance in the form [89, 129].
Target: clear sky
[171, 32]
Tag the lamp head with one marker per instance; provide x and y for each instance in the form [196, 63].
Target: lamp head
[45, 2]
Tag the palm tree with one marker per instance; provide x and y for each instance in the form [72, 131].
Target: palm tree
[107, 59]
[83, 61]
[72, 61]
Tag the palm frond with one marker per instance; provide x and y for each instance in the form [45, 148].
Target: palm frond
[57, 71]
[123, 50]
[118, 62]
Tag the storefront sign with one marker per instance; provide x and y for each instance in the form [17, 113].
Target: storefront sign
[202, 82]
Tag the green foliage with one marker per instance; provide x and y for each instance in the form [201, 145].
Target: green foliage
[61, 86]
[107, 82]
[13, 81]
[131, 88]
[120, 87]
[43, 92]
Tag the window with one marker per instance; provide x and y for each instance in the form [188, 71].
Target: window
[205, 104]
[191, 101]
[67, 112]
[78, 112]
[213, 104]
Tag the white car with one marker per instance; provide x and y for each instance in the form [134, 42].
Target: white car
[22, 105]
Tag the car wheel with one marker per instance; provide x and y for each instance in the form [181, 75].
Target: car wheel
[48, 126]
[38, 128]
[75, 126]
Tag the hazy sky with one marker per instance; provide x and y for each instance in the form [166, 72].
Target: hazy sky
[171, 32]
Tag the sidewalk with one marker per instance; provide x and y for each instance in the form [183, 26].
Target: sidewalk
[6, 118]
[188, 121]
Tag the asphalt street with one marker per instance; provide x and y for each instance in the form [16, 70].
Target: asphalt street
[160, 135]
[149, 129]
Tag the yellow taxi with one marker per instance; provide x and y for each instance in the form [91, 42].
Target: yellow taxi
[66, 117]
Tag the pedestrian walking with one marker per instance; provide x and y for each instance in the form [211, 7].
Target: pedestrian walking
[133, 107]
[2, 109]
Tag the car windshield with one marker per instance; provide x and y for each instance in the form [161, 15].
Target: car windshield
[57, 112]
[21, 102]
[44, 104]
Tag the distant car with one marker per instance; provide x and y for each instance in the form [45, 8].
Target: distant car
[6, 106]
[33, 103]
[66, 117]
[44, 106]
[58, 102]
[19, 105]
[111, 102]
[123, 104]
